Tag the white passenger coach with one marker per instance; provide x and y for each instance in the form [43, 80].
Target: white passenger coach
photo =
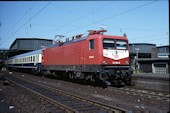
[31, 60]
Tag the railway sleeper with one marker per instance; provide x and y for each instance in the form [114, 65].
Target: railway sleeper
[75, 104]
[72, 103]
[63, 99]
[85, 107]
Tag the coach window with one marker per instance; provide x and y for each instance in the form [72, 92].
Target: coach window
[33, 58]
[37, 58]
[91, 44]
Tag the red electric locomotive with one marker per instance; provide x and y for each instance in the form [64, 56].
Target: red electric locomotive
[95, 57]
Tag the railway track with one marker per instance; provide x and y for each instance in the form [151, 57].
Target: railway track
[143, 92]
[67, 102]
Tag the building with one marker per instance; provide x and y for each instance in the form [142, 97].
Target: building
[22, 45]
[30, 44]
[142, 50]
[3, 56]
[163, 51]
[139, 50]
[158, 63]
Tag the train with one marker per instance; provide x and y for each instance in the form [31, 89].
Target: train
[95, 57]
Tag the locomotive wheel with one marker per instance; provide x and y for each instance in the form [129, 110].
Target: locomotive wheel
[54, 74]
[89, 77]
[71, 76]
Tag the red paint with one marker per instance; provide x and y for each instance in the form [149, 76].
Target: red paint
[78, 53]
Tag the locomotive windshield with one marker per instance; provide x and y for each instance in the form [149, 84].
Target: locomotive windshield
[121, 44]
[114, 44]
[108, 44]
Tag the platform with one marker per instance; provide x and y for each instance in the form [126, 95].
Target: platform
[157, 82]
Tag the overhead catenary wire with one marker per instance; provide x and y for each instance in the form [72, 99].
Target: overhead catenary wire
[30, 17]
[82, 16]
[74, 27]
[132, 9]
[129, 10]
[20, 18]
[29, 20]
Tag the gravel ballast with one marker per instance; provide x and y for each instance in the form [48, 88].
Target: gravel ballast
[25, 103]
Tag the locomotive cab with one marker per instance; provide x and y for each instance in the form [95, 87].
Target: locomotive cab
[115, 51]
[116, 60]
[111, 55]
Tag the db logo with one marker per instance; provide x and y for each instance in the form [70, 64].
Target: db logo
[116, 56]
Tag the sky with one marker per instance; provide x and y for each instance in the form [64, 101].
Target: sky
[143, 21]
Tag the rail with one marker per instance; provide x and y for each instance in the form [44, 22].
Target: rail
[148, 93]
[70, 103]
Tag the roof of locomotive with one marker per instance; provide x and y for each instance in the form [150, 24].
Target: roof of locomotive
[84, 38]
[68, 42]
[27, 54]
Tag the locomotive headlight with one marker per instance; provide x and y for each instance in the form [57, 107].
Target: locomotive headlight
[104, 62]
[105, 53]
[127, 62]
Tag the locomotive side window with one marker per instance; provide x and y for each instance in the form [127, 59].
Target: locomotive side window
[91, 44]
[121, 44]
[108, 44]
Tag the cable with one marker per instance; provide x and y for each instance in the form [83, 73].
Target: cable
[20, 19]
[29, 20]
[82, 16]
[113, 16]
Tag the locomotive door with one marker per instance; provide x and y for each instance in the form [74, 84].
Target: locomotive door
[82, 54]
